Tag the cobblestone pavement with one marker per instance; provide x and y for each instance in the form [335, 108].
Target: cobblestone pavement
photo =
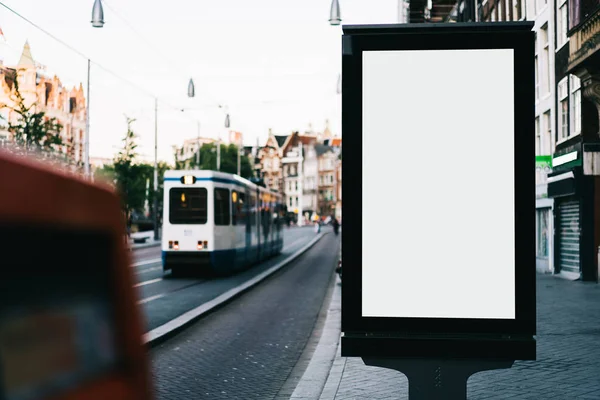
[567, 366]
[248, 348]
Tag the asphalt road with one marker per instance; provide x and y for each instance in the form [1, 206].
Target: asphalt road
[164, 298]
[248, 348]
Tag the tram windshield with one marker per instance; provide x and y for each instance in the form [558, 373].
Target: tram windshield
[187, 206]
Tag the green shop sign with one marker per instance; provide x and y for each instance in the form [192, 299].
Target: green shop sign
[543, 161]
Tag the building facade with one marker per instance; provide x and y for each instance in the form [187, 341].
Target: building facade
[268, 164]
[46, 94]
[575, 181]
[326, 160]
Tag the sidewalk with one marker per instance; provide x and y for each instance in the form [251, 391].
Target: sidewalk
[567, 366]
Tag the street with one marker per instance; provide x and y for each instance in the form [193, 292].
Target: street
[164, 298]
[248, 348]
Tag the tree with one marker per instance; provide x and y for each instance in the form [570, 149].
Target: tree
[33, 131]
[208, 160]
[126, 173]
[131, 177]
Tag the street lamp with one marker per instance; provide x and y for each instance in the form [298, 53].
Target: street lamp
[97, 14]
[191, 90]
[334, 15]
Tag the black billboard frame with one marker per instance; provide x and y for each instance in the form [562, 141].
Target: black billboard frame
[439, 337]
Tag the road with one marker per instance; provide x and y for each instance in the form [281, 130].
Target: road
[249, 348]
[164, 298]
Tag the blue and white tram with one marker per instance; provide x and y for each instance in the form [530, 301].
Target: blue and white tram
[218, 221]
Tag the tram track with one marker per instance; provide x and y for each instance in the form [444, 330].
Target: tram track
[168, 292]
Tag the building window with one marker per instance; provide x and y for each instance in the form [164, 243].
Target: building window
[538, 141]
[542, 233]
[546, 58]
[537, 72]
[561, 23]
[575, 105]
[222, 212]
[296, 201]
[563, 108]
[546, 146]
[291, 204]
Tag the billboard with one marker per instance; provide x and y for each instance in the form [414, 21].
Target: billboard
[453, 243]
[440, 210]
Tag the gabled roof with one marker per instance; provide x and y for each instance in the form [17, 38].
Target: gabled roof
[281, 139]
[26, 59]
[322, 149]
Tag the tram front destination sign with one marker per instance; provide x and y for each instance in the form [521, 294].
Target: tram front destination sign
[439, 199]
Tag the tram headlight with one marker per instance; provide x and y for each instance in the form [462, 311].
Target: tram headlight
[170, 244]
[200, 247]
[205, 244]
[176, 245]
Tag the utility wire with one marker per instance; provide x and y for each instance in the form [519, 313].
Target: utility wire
[81, 54]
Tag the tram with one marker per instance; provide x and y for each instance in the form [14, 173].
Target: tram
[218, 222]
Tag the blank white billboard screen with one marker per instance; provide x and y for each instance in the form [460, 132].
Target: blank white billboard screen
[438, 184]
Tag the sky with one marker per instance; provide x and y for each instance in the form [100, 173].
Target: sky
[273, 63]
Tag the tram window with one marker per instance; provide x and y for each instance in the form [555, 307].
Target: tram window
[253, 209]
[187, 206]
[241, 209]
[222, 212]
[234, 207]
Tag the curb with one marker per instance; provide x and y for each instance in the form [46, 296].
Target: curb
[323, 375]
[143, 245]
[163, 332]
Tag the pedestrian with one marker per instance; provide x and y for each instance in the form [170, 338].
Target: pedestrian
[336, 225]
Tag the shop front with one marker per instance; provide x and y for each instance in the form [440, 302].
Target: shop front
[575, 214]
[543, 216]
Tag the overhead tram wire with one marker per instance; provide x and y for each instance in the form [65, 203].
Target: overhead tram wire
[84, 56]
[139, 34]
[110, 71]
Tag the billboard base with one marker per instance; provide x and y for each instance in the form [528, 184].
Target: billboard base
[436, 347]
[437, 379]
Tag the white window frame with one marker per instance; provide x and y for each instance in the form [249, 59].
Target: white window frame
[546, 57]
[493, 14]
[537, 68]
[562, 96]
[562, 24]
[538, 139]
[575, 105]
[546, 145]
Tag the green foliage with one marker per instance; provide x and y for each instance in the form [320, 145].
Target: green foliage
[33, 130]
[208, 160]
[126, 172]
[130, 177]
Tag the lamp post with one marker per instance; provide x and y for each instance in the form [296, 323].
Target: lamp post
[199, 147]
[334, 15]
[155, 168]
[97, 14]
[227, 125]
[86, 144]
